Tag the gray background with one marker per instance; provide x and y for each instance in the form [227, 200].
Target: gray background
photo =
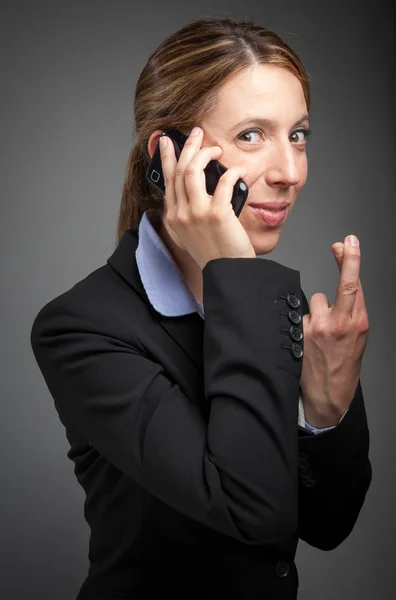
[68, 76]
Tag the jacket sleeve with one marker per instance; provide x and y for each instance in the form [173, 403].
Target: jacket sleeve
[235, 472]
[334, 475]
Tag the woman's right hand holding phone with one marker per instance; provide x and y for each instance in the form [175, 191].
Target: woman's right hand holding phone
[207, 226]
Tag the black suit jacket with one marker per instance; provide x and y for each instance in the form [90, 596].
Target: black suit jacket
[184, 433]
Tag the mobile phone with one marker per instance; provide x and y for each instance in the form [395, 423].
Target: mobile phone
[213, 171]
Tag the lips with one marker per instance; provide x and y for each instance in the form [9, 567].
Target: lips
[275, 206]
[271, 217]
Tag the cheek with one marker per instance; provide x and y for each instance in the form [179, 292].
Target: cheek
[256, 176]
[257, 172]
[246, 220]
[303, 170]
[232, 157]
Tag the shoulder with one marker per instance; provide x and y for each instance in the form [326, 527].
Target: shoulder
[95, 304]
[89, 289]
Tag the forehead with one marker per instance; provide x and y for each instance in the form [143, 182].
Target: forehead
[266, 90]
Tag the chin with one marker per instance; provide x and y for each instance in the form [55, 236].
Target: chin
[265, 242]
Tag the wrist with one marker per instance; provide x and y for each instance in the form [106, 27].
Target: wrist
[324, 417]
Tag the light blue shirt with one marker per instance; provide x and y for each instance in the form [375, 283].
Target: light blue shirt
[165, 286]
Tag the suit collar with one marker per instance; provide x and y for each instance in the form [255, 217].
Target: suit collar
[185, 330]
[123, 260]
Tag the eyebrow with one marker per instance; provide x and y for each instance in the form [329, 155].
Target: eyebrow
[266, 122]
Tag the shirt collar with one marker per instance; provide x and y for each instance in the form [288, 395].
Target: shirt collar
[162, 279]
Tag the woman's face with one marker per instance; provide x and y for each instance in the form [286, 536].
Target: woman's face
[273, 150]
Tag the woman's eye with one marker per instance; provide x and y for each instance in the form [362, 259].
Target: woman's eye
[248, 136]
[306, 133]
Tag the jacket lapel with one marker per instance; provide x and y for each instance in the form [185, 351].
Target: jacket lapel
[186, 330]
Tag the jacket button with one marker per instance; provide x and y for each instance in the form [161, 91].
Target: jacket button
[282, 568]
[296, 350]
[294, 317]
[307, 478]
[309, 482]
[295, 333]
[303, 461]
[293, 301]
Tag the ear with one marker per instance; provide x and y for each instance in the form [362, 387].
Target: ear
[153, 141]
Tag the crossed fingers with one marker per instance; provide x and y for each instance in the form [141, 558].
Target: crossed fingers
[349, 299]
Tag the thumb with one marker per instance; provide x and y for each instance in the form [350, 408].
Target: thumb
[338, 253]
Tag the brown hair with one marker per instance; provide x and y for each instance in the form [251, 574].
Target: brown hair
[177, 89]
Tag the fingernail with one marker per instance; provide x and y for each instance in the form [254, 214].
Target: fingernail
[352, 240]
[163, 141]
[195, 131]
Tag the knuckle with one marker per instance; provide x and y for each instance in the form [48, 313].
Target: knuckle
[340, 328]
[181, 218]
[338, 333]
[349, 287]
[189, 171]
[363, 323]
[320, 328]
[168, 179]
[324, 329]
[179, 171]
[190, 141]
[197, 214]
[216, 216]
[171, 216]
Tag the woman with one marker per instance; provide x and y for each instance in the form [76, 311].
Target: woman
[176, 367]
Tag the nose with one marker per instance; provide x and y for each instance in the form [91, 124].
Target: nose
[282, 167]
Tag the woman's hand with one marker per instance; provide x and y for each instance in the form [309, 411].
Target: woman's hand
[206, 225]
[335, 339]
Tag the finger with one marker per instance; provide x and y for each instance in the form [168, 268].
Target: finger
[360, 304]
[348, 284]
[194, 176]
[338, 253]
[318, 304]
[225, 187]
[168, 161]
[191, 147]
[189, 150]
